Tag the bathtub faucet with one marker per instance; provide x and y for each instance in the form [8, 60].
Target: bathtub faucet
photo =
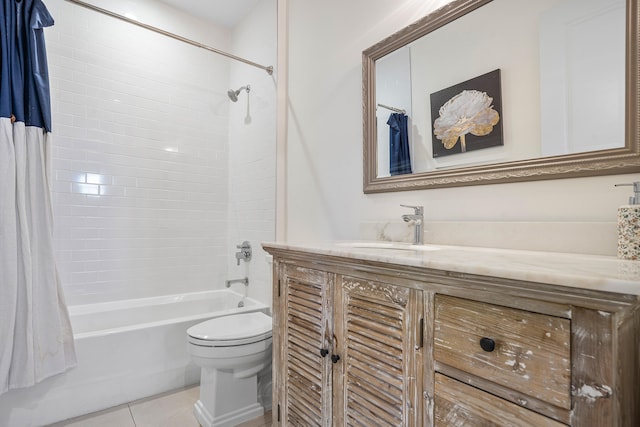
[244, 253]
[244, 281]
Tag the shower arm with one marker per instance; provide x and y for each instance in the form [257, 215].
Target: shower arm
[268, 69]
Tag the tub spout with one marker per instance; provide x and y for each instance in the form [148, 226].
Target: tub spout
[244, 281]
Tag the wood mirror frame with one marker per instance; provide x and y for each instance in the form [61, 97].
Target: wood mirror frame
[602, 162]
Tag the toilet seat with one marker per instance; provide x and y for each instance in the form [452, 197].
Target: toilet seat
[229, 331]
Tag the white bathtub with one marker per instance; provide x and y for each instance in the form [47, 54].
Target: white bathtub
[126, 350]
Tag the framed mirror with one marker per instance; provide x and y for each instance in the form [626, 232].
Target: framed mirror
[493, 91]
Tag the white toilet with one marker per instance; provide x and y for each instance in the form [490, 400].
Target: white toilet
[230, 352]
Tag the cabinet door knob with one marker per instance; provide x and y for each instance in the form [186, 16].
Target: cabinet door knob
[487, 344]
[324, 352]
[335, 358]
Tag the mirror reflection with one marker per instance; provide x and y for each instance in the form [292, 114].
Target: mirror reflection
[562, 76]
[566, 103]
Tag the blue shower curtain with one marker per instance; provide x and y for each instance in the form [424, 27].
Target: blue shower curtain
[36, 341]
[399, 156]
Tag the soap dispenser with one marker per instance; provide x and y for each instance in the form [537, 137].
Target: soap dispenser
[629, 225]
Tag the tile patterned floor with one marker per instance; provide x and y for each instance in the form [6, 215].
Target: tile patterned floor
[172, 409]
[263, 421]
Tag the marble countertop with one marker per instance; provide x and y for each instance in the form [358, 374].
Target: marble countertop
[595, 272]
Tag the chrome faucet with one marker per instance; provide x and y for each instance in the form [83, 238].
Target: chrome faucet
[418, 220]
[244, 281]
[244, 253]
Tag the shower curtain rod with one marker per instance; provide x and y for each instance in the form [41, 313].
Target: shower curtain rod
[397, 110]
[268, 69]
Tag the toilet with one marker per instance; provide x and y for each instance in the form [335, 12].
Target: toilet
[231, 351]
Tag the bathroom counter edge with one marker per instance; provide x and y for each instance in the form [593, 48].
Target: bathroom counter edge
[594, 272]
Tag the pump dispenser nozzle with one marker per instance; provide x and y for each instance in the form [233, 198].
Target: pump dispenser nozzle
[635, 199]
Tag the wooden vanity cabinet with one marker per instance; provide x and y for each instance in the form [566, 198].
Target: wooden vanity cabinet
[378, 335]
[526, 354]
[525, 351]
[301, 342]
[346, 350]
[458, 404]
[369, 343]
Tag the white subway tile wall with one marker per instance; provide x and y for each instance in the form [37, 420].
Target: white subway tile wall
[252, 148]
[141, 160]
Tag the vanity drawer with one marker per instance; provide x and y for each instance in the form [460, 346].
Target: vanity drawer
[524, 351]
[462, 405]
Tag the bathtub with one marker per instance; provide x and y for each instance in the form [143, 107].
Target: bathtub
[126, 350]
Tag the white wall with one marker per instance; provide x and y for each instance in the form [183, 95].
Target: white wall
[141, 160]
[324, 149]
[252, 149]
[567, 91]
[514, 51]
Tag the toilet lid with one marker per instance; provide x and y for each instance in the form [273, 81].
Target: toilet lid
[236, 329]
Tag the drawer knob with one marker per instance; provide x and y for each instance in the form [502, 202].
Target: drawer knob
[487, 344]
[335, 358]
[324, 352]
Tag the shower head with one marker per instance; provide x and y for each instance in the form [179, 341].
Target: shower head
[233, 94]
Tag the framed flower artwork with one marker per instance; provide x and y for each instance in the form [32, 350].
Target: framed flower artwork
[467, 116]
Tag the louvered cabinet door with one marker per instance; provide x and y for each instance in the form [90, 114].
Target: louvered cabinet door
[305, 331]
[378, 379]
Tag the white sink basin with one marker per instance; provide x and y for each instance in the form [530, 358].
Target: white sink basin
[388, 245]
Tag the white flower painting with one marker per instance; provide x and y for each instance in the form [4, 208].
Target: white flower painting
[467, 116]
[470, 111]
